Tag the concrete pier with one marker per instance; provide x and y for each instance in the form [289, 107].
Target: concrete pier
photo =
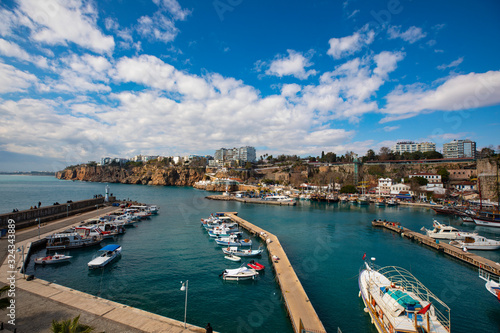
[442, 246]
[301, 312]
[38, 302]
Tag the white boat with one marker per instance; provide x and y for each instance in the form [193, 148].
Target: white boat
[397, 302]
[53, 259]
[70, 240]
[392, 202]
[224, 233]
[242, 253]
[443, 231]
[109, 253]
[238, 274]
[232, 257]
[492, 286]
[233, 241]
[363, 200]
[279, 198]
[476, 243]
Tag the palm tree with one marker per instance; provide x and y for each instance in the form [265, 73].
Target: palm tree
[70, 326]
[4, 301]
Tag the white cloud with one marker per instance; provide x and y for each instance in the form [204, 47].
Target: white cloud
[411, 35]
[390, 128]
[356, 11]
[293, 65]
[461, 92]
[161, 26]
[11, 49]
[452, 64]
[59, 22]
[14, 80]
[345, 46]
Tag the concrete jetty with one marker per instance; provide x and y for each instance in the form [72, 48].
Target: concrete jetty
[441, 246]
[251, 200]
[301, 312]
[38, 302]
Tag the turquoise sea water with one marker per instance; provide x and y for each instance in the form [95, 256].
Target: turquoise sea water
[325, 244]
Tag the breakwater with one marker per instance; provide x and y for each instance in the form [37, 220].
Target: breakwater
[251, 200]
[470, 258]
[29, 217]
[302, 314]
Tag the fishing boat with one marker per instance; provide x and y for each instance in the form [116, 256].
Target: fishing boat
[392, 202]
[70, 240]
[255, 265]
[238, 274]
[443, 231]
[224, 233]
[492, 286]
[476, 243]
[242, 253]
[232, 257]
[107, 255]
[278, 198]
[363, 200]
[487, 219]
[397, 302]
[380, 202]
[233, 241]
[53, 259]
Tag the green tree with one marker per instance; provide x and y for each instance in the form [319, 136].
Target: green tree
[432, 155]
[420, 180]
[348, 189]
[445, 175]
[370, 155]
[70, 326]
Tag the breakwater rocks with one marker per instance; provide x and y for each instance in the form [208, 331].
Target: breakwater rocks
[146, 175]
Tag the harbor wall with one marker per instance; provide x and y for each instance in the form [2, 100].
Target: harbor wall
[28, 217]
[488, 175]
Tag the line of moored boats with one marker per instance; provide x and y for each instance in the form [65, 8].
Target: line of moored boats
[226, 233]
[92, 232]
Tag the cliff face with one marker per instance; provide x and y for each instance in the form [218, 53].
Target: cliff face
[146, 175]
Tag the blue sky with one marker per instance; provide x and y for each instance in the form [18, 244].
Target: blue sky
[84, 79]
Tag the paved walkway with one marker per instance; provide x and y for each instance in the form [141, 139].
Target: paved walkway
[38, 302]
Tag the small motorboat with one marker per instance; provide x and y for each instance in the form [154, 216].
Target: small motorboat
[232, 257]
[53, 259]
[233, 241]
[238, 274]
[242, 253]
[109, 253]
[255, 265]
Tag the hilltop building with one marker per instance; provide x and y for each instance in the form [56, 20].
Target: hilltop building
[234, 156]
[411, 147]
[459, 149]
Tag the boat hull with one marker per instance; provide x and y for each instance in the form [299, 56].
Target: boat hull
[487, 223]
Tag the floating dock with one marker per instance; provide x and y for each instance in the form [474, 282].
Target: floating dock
[251, 200]
[302, 314]
[470, 258]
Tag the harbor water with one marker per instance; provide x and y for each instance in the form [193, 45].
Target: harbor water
[324, 242]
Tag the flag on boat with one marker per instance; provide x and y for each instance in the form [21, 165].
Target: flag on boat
[364, 256]
[425, 309]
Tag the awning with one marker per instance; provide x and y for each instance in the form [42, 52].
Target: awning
[110, 247]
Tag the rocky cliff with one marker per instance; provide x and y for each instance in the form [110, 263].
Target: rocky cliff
[146, 175]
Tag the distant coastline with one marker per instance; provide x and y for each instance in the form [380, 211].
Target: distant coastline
[29, 173]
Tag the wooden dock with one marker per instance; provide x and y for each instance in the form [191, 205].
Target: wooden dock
[441, 246]
[251, 200]
[301, 312]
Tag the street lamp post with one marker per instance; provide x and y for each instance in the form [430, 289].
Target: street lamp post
[184, 287]
[67, 210]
